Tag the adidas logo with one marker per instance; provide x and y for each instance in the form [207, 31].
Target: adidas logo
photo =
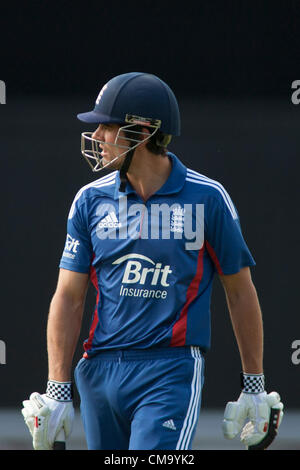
[169, 424]
[109, 221]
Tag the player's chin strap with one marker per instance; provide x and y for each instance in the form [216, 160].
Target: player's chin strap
[124, 169]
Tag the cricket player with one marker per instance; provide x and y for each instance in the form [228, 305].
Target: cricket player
[150, 236]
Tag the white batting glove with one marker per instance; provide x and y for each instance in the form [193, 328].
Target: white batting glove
[264, 413]
[46, 415]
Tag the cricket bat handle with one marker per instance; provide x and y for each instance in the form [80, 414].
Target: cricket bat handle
[60, 442]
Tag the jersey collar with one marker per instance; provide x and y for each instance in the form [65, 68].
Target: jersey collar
[173, 184]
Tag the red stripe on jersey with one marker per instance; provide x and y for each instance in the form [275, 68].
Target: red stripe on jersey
[214, 258]
[88, 344]
[179, 328]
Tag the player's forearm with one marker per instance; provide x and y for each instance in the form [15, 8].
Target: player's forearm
[247, 324]
[63, 329]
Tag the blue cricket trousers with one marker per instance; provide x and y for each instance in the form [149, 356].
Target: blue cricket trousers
[141, 399]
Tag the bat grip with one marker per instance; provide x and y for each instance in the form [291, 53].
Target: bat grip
[60, 442]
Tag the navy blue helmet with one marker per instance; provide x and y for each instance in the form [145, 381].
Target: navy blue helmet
[136, 94]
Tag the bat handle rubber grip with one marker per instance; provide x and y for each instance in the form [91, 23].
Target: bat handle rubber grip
[60, 442]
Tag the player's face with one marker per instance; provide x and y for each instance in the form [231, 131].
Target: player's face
[107, 134]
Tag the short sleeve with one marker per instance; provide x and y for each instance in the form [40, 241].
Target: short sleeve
[224, 239]
[77, 253]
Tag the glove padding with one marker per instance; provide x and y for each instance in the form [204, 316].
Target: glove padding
[45, 417]
[264, 414]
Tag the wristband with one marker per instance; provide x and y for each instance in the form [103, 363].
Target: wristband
[252, 383]
[60, 391]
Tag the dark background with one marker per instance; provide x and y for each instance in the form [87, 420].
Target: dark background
[231, 65]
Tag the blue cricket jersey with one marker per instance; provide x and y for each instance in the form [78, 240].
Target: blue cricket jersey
[152, 263]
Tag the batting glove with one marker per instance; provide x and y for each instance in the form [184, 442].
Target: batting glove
[46, 415]
[263, 413]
